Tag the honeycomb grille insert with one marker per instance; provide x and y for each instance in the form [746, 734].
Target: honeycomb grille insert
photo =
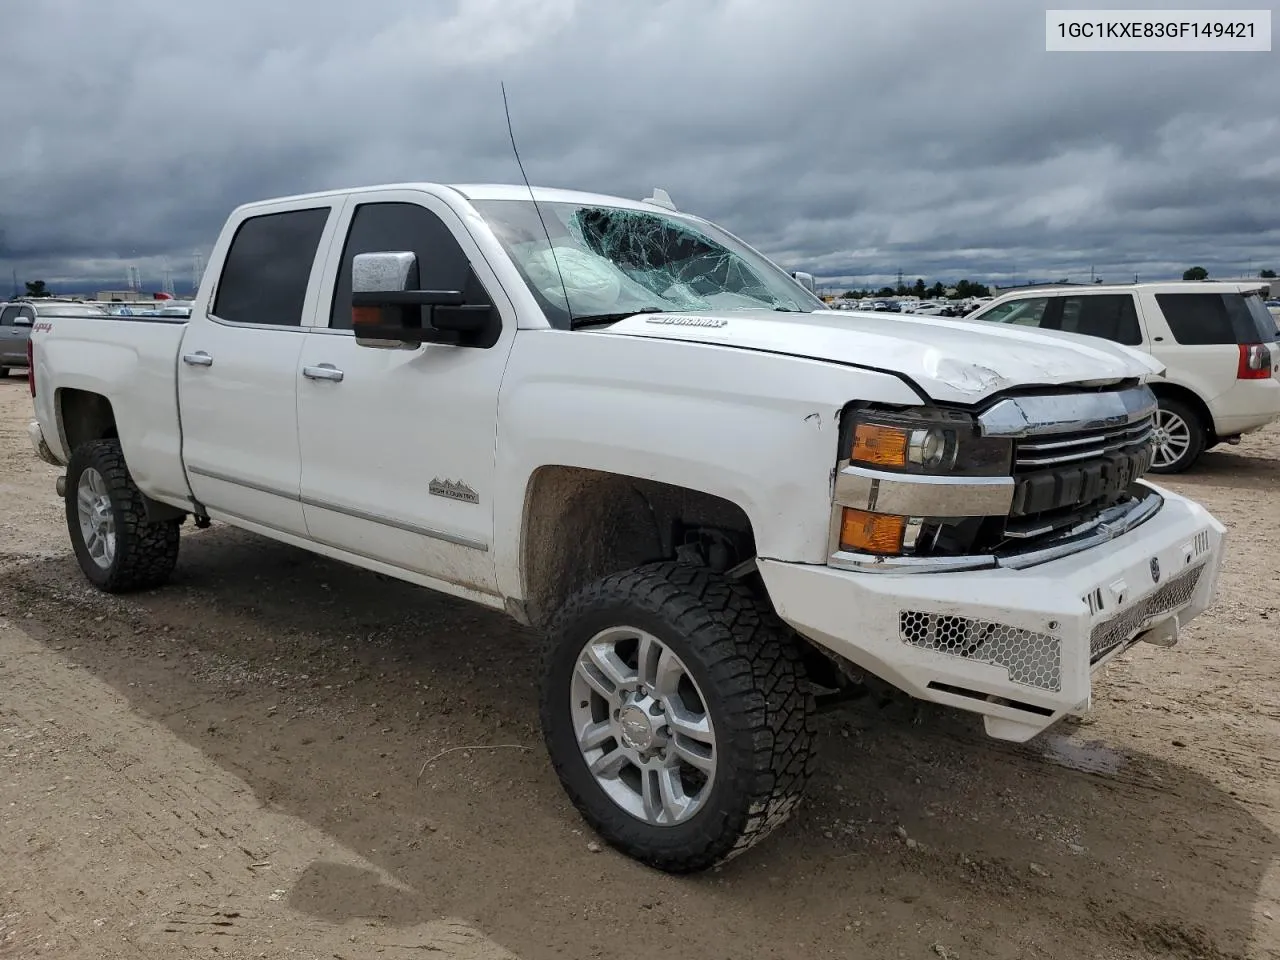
[1111, 633]
[1032, 659]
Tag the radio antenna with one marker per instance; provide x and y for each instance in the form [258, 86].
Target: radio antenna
[536, 209]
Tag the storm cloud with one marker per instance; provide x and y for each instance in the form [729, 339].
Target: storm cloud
[850, 140]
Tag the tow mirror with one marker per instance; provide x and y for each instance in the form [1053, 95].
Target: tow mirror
[805, 280]
[389, 311]
[22, 321]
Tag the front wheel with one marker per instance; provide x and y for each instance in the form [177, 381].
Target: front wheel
[677, 714]
[118, 550]
[1180, 437]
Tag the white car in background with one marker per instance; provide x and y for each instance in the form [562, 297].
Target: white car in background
[1217, 341]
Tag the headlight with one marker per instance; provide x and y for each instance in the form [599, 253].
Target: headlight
[928, 441]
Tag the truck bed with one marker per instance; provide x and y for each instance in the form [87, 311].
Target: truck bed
[132, 361]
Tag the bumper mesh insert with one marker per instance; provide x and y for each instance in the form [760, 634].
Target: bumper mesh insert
[1109, 634]
[1032, 659]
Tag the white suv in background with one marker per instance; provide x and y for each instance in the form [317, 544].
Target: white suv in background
[1217, 341]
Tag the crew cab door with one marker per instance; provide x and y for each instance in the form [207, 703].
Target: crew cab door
[238, 363]
[398, 445]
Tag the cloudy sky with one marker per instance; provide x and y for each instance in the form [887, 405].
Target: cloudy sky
[848, 139]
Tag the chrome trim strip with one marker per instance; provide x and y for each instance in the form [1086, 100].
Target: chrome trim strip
[354, 553]
[1015, 417]
[917, 495]
[1114, 524]
[430, 532]
[247, 484]
[421, 531]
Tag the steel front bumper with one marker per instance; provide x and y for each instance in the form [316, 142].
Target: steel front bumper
[1016, 645]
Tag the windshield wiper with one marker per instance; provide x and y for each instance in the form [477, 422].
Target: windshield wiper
[596, 319]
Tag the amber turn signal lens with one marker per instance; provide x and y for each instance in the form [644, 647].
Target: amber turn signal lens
[865, 532]
[365, 315]
[879, 445]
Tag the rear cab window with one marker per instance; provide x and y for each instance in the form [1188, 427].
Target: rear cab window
[268, 266]
[1204, 319]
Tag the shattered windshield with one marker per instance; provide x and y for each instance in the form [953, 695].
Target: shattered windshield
[613, 261]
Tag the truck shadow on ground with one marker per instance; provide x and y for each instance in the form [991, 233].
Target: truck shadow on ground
[327, 689]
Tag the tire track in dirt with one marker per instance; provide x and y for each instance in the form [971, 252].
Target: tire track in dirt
[139, 846]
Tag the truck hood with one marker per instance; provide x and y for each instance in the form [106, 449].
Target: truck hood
[953, 361]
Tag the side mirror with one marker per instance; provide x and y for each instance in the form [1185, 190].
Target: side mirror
[389, 311]
[22, 321]
[806, 280]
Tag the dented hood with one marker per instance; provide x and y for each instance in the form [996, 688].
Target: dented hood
[954, 361]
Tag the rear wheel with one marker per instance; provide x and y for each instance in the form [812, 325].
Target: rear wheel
[1180, 437]
[677, 714]
[117, 548]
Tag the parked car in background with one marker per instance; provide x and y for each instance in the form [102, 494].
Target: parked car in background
[17, 319]
[1217, 340]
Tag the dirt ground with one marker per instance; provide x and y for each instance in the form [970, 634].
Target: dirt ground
[251, 763]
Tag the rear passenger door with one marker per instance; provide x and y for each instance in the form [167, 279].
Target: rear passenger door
[238, 367]
[1109, 316]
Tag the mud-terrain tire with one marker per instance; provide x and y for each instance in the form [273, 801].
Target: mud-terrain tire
[744, 668]
[1180, 438]
[117, 548]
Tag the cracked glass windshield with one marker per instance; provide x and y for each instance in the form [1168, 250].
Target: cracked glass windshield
[613, 262]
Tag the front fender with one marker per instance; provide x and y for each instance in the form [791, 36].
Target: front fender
[757, 429]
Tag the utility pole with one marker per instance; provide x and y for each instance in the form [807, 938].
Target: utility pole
[15, 283]
[899, 277]
[1091, 273]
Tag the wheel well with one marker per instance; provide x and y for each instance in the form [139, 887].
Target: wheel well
[580, 525]
[85, 416]
[1192, 400]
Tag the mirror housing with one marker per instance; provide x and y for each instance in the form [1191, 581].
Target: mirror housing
[389, 311]
[22, 321]
[805, 280]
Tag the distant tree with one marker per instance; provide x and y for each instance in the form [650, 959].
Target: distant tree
[919, 289]
[938, 290]
[848, 295]
[1196, 273]
[37, 288]
[966, 289]
[1266, 275]
[885, 292]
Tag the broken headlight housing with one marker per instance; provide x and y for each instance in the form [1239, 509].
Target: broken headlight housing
[927, 441]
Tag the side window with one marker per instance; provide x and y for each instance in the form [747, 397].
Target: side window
[442, 263]
[264, 279]
[7, 315]
[1023, 313]
[1110, 316]
[1196, 318]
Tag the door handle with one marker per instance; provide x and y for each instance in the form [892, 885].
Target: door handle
[198, 359]
[322, 371]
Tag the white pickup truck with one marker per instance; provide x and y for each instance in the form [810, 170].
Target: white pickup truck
[623, 426]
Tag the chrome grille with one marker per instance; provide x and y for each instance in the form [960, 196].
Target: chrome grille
[1174, 595]
[1037, 453]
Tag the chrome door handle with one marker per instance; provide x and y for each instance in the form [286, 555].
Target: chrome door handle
[322, 371]
[198, 359]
